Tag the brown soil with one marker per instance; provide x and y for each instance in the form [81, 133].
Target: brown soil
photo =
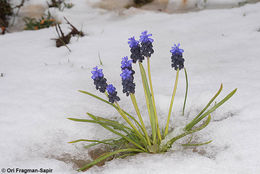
[78, 163]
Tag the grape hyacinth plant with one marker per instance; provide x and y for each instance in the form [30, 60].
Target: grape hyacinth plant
[133, 137]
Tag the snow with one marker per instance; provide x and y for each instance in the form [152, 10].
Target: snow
[39, 89]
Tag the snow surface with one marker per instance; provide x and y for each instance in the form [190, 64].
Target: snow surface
[39, 89]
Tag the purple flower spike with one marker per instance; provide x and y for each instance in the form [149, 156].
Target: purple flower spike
[127, 76]
[99, 81]
[132, 42]
[135, 50]
[177, 59]
[146, 44]
[145, 37]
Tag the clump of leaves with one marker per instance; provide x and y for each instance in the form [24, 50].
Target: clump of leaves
[133, 137]
[6, 12]
[36, 24]
[60, 4]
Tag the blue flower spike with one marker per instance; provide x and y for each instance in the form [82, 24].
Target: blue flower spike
[146, 44]
[135, 50]
[127, 76]
[99, 81]
[177, 58]
[112, 94]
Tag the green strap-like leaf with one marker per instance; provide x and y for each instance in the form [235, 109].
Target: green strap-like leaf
[149, 102]
[153, 100]
[186, 91]
[115, 126]
[118, 133]
[103, 157]
[82, 120]
[128, 154]
[206, 107]
[209, 103]
[96, 141]
[112, 122]
[137, 132]
[91, 145]
[140, 118]
[194, 122]
[103, 100]
[199, 144]
[171, 141]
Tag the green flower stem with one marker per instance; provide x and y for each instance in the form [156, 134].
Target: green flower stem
[186, 91]
[170, 109]
[149, 103]
[130, 123]
[154, 107]
[140, 118]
